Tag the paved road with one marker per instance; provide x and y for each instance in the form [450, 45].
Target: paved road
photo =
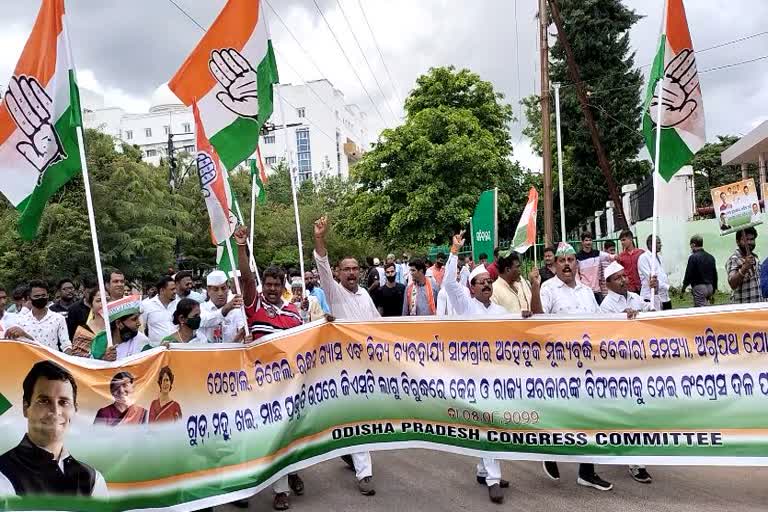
[426, 481]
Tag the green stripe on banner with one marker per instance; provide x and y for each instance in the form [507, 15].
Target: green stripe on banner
[31, 208]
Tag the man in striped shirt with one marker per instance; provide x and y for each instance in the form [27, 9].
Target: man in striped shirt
[267, 313]
[591, 266]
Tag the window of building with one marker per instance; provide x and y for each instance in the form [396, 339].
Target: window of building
[151, 152]
[147, 132]
[167, 129]
[187, 128]
[301, 112]
[269, 139]
[128, 134]
[271, 160]
[304, 154]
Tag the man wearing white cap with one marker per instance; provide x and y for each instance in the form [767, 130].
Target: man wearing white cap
[488, 469]
[565, 295]
[220, 320]
[619, 299]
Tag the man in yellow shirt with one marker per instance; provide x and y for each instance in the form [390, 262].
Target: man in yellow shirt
[511, 291]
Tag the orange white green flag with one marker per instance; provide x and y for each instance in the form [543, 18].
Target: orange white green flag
[39, 114]
[214, 184]
[525, 234]
[229, 75]
[682, 109]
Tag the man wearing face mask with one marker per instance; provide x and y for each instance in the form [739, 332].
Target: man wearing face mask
[41, 324]
[310, 281]
[481, 284]
[124, 326]
[389, 298]
[40, 464]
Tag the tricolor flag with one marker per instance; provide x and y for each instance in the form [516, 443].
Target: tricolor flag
[230, 75]
[682, 120]
[259, 172]
[38, 118]
[525, 234]
[215, 186]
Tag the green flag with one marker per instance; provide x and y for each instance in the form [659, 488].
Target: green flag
[484, 229]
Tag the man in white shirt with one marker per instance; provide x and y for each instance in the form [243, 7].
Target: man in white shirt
[6, 319]
[654, 278]
[348, 301]
[565, 295]
[184, 284]
[620, 300]
[157, 312]
[221, 320]
[41, 324]
[50, 404]
[488, 469]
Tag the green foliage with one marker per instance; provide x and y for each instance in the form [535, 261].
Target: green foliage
[598, 31]
[422, 180]
[709, 172]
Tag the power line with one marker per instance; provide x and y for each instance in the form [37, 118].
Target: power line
[395, 86]
[351, 66]
[370, 68]
[185, 13]
[697, 52]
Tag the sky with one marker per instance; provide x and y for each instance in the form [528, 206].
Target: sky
[126, 50]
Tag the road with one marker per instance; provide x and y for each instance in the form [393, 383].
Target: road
[426, 481]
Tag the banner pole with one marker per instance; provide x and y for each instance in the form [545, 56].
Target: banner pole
[94, 235]
[251, 257]
[234, 276]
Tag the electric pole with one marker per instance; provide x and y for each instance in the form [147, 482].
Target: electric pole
[602, 159]
[546, 163]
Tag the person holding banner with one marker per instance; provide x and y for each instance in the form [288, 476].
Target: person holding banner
[481, 283]
[124, 326]
[743, 269]
[510, 290]
[40, 464]
[267, 313]
[564, 295]
[349, 302]
[221, 321]
[187, 318]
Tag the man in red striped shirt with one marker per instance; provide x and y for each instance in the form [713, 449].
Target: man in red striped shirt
[267, 313]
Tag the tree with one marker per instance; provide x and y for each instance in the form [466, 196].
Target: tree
[422, 179]
[598, 31]
[709, 172]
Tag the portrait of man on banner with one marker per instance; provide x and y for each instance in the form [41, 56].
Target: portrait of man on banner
[40, 464]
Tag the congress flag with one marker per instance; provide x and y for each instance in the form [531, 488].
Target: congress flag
[260, 174]
[525, 234]
[230, 75]
[682, 120]
[38, 118]
[215, 186]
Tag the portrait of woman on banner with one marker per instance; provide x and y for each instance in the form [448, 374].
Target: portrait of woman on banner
[164, 408]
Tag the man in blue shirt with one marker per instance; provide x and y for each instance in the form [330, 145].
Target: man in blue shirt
[314, 290]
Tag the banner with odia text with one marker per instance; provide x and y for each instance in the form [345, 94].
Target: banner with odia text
[191, 427]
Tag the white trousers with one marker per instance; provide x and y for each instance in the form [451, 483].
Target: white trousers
[490, 469]
[281, 486]
[363, 464]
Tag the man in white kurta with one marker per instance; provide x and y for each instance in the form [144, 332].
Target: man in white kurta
[654, 277]
[347, 301]
[221, 318]
[564, 296]
[488, 469]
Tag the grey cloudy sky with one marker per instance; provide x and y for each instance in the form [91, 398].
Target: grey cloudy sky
[125, 50]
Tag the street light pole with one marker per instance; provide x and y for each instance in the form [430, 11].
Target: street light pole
[546, 164]
[560, 161]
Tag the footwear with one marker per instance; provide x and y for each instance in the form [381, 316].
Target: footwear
[495, 493]
[296, 484]
[281, 501]
[595, 482]
[551, 470]
[241, 503]
[502, 483]
[366, 486]
[640, 474]
[348, 460]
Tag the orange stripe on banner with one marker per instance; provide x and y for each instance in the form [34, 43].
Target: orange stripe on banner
[231, 29]
[38, 58]
[268, 458]
[678, 35]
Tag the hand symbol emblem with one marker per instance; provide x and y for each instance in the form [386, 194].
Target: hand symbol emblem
[238, 79]
[680, 82]
[31, 108]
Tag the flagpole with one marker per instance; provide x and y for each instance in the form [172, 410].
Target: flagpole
[88, 197]
[94, 236]
[560, 163]
[234, 275]
[659, 120]
[251, 257]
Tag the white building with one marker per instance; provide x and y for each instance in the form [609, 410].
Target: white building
[324, 135]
